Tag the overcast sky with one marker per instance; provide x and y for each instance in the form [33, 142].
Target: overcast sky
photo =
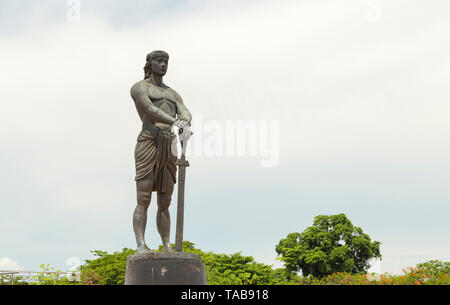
[359, 91]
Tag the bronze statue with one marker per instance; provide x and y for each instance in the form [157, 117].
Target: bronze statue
[159, 107]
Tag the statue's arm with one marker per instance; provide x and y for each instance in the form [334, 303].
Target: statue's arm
[182, 111]
[141, 99]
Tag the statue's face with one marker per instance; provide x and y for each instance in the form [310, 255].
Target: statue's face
[159, 65]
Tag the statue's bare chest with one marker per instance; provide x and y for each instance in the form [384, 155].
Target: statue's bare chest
[163, 98]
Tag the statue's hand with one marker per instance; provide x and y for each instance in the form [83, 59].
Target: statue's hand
[184, 128]
[180, 123]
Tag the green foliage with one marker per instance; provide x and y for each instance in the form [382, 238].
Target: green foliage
[281, 276]
[48, 277]
[107, 269]
[236, 269]
[332, 244]
[90, 277]
[433, 272]
[5, 279]
[428, 273]
[434, 268]
[51, 278]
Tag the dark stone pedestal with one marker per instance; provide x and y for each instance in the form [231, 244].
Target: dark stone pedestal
[165, 268]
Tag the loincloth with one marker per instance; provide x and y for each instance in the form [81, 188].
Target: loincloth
[153, 153]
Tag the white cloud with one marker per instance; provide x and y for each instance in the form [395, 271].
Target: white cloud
[8, 264]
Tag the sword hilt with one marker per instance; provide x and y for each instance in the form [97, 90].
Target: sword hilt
[186, 164]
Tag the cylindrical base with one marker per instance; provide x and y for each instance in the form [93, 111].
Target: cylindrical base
[165, 268]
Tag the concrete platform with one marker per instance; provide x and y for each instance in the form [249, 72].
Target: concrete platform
[165, 268]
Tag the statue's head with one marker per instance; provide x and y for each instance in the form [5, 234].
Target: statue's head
[157, 62]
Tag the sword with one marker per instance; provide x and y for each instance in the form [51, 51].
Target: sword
[182, 164]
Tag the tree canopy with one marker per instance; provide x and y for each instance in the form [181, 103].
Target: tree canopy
[107, 269]
[332, 244]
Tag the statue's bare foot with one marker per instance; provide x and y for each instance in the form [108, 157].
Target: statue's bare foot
[143, 249]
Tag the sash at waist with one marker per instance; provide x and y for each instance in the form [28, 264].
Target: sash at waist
[153, 153]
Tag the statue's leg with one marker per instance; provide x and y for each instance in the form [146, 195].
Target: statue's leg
[144, 196]
[163, 215]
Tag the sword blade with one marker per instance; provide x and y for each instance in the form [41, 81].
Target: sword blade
[182, 164]
[180, 209]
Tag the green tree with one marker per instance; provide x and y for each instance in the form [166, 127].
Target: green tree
[332, 244]
[107, 269]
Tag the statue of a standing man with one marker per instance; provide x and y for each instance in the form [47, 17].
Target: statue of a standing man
[159, 108]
